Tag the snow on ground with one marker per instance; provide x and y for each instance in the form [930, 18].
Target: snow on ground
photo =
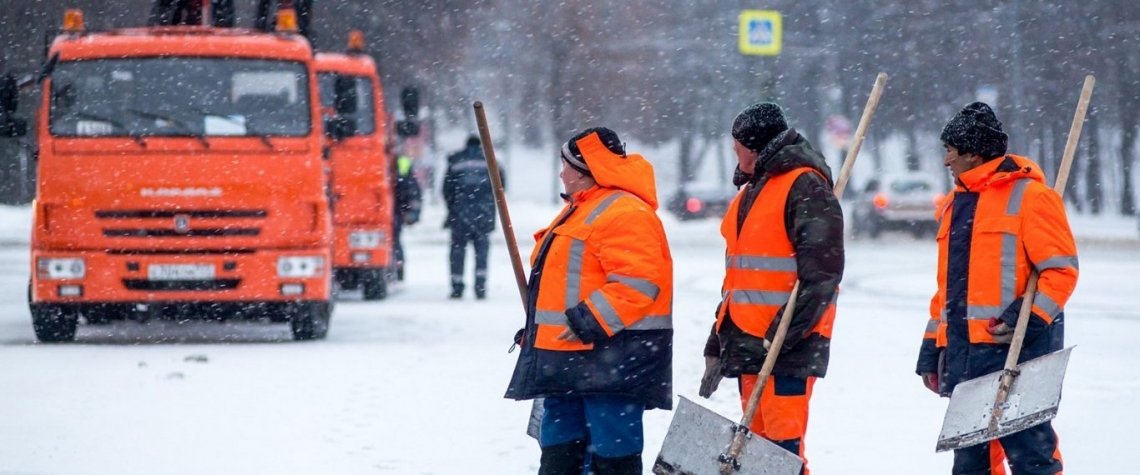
[414, 384]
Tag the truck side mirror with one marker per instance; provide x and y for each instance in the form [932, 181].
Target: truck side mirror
[345, 95]
[10, 125]
[410, 101]
[407, 128]
[340, 127]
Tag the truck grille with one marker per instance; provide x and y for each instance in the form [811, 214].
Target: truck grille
[177, 223]
[162, 232]
[177, 285]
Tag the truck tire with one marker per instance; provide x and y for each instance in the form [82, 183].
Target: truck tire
[310, 320]
[375, 284]
[52, 323]
[49, 322]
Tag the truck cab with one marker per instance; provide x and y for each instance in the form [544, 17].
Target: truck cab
[180, 174]
[352, 102]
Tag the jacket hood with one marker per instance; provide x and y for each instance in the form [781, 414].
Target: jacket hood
[789, 151]
[631, 172]
[1000, 170]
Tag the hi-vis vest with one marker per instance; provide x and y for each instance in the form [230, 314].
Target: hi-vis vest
[624, 280]
[1002, 251]
[760, 263]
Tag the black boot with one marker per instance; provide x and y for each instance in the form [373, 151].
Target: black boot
[628, 465]
[563, 459]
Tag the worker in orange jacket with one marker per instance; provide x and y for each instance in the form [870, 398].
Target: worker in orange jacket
[1000, 222]
[598, 340]
[784, 226]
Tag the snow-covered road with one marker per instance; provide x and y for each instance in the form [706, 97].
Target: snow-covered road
[413, 384]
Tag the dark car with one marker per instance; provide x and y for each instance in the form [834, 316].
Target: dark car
[897, 202]
[703, 202]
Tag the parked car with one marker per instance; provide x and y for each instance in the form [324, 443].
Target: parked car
[897, 202]
[701, 202]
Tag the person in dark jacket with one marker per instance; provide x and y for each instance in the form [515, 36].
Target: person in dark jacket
[407, 210]
[598, 341]
[784, 225]
[470, 198]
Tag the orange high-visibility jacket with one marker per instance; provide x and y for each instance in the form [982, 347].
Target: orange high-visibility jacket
[760, 265]
[1001, 222]
[603, 269]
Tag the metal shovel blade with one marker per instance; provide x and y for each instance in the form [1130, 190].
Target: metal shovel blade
[534, 424]
[698, 436]
[1033, 399]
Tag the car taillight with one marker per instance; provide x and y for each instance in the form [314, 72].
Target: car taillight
[880, 201]
[694, 205]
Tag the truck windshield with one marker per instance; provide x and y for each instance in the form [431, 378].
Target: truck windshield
[365, 113]
[194, 97]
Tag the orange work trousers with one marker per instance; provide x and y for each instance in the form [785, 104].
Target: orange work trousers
[783, 413]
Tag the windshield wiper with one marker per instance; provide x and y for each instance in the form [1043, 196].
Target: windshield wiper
[114, 123]
[264, 137]
[180, 124]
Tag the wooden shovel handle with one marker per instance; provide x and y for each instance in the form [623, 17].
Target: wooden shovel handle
[789, 308]
[1019, 331]
[501, 200]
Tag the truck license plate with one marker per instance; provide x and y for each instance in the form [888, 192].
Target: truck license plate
[180, 271]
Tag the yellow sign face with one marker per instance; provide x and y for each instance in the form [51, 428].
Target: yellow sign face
[761, 32]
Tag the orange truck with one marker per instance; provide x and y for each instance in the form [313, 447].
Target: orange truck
[180, 175]
[361, 192]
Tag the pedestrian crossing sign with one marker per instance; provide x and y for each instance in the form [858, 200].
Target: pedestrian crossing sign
[761, 32]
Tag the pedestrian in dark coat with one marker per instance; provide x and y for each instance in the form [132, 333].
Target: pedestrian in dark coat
[407, 210]
[470, 199]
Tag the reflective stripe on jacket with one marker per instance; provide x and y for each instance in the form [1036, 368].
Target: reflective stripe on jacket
[1001, 222]
[602, 269]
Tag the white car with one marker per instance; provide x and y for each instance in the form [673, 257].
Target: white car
[897, 202]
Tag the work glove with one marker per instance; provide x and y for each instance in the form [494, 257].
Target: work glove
[930, 380]
[711, 380]
[1001, 332]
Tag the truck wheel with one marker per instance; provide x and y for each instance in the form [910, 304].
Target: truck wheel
[375, 283]
[52, 323]
[310, 320]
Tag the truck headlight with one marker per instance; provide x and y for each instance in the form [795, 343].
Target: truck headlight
[300, 266]
[61, 268]
[365, 239]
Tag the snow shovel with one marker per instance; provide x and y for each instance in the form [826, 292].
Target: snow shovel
[536, 411]
[1019, 396]
[695, 443]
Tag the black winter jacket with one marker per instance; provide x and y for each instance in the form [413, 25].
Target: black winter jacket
[468, 192]
[814, 225]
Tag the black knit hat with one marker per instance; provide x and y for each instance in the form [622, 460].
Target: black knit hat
[473, 140]
[574, 157]
[975, 129]
[757, 125]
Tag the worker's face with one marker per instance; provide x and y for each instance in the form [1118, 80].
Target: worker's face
[573, 180]
[959, 162]
[744, 157]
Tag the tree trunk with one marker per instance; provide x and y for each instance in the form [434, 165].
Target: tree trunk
[1127, 143]
[912, 150]
[1094, 194]
[685, 173]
